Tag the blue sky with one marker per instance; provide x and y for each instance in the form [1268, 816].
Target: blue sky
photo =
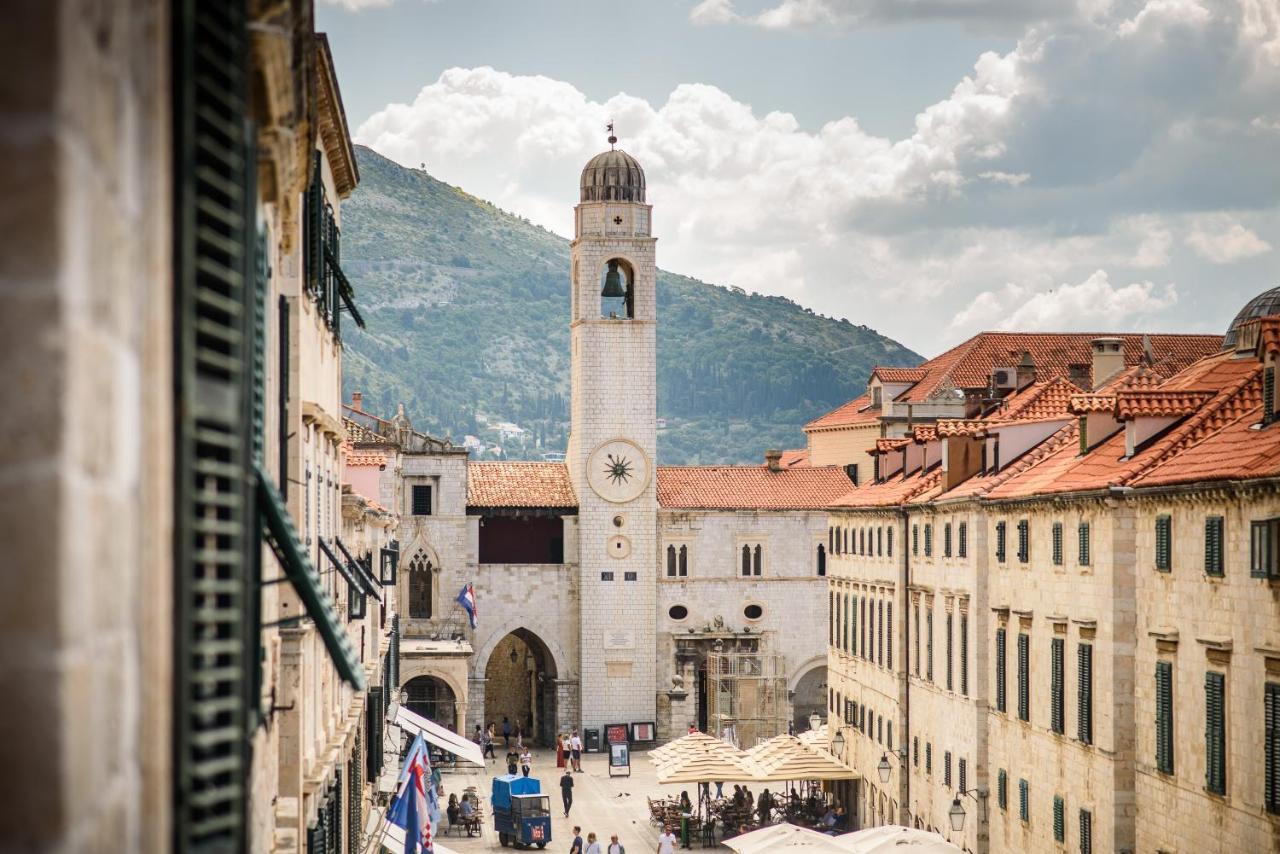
[926, 167]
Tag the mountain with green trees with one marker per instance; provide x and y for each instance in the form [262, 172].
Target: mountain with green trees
[467, 312]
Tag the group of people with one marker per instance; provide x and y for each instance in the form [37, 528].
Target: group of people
[569, 751]
[591, 846]
[461, 811]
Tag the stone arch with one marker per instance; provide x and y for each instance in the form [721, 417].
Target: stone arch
[420, 558]
[481, 658]
[808, 692]
[435, 698]
[411, 669]
[527, 687]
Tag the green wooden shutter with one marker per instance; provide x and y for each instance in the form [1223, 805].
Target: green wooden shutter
[928, 540]
[1002, 532]
[915, 539]
[949, 645]
[355, 795]
[1000, 671]
[964, 654]
[1057, 544]
[313, 259]
[888, 632]
[1213, 545]
[1086, 832]
[1024, 677]
[215, 576]
[1024, 800]
[1271, 724]
[1002, 789]
[928, 757]
[964, 776]
[963, 544]
[1084, 693]
[1024, 540]
[1268, 394]
[1215, 741]
[1164, 543]
[1259, 548]
[946, 540]
[929, 645]
[880, 632]
[1083, 532]
[888, 551]
[1164, 717]
[915, 750]
[1059, 819]
[1057, 706]
[946, 768]
[373, 734]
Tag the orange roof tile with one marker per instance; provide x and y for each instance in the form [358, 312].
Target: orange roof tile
[888, 446]
[892, 491]
[519, 484]
[794, 457]
[897, 375]
[1038, 401]
[925, 433]
[1083, 404]
[750, 487]
[857, 411]
[1158, 403]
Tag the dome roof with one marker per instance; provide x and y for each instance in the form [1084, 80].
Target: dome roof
[1263, 305]
[612, 176]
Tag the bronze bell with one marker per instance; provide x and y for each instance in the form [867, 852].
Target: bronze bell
[613, 283]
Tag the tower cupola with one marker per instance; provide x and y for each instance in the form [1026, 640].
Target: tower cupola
[612, 176]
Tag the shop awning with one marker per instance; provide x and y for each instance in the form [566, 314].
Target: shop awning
[283, 539]
[393, 840]
[437, 735]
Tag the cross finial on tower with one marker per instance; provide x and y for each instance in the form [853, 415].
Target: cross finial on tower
[613, 140]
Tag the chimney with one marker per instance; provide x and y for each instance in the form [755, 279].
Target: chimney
[1026, 371]
[773, 459]
[1078, 375]
[357, 401]
[1108, 360]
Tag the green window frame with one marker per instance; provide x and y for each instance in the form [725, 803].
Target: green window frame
[928, 539]
[1082, 555]
[1264, 548]
[1215, 733]
[1001, 704]
[964, 654]
[1271, 747]
[1002, 536]
[946, 540]
[1057, 704]
[1059, 819]
[1213, 546]
[1057, 544]
[1024, 800]
[1024, 677]
[1164, 717]
[1164, 543]
[1086, 832]
[1002, 789]
[1084, 693]
[962, 540]
[1024, 540]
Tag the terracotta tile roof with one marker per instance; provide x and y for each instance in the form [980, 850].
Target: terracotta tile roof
[892, 491]
[1158, 403]
[888, 446]
[1083, 404]
[925, 433]
[362, 458]
[898, 375]
[794, 457]
[961, 427]
[1038, 402]
[857, 411]
[750, 487]
[519, 484]
[359, 434]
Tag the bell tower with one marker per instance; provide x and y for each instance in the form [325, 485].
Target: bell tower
[613, 438]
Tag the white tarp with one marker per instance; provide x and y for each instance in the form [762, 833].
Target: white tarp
[393, 839]
[895, 839]
[435, 734]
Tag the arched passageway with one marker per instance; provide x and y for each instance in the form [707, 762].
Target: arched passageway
[810, 697]
[520, 685]
[433, 699]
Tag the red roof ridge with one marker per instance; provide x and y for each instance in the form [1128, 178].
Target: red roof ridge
[1159, 403]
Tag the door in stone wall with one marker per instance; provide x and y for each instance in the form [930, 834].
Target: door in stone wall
[520, 680]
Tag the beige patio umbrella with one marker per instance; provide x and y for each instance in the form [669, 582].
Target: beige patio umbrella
[783, 838]
[688, 745]
[708, 766]
[892, 839]
[816, 737]
[787, 758]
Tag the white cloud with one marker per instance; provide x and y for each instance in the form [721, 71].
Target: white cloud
[713, 12]
[357, 5]
[1092, 305]
[1216, 238]
[1081, 149]
[793, 14]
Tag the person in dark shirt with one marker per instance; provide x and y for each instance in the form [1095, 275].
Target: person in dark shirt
[576, 847]
[566, 791]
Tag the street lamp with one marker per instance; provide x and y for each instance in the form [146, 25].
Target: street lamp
[837, 743]
[956, 813]
[883, 768]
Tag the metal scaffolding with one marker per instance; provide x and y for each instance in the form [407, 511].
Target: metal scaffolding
[747, 695]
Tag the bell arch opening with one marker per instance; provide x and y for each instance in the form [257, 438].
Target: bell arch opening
[520, 687]
[617, 290]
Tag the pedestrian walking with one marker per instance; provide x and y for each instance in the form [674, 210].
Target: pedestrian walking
[593, 847]
[489, 739]
[575, 751]
[576, 846]
[512, 759]
[506, 732]
[666, 841]
[615, 847]
[526, 762]
[566, 791]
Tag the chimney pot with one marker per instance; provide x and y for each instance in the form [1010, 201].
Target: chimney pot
[1108, 359]
[357, 401]
[773, 459]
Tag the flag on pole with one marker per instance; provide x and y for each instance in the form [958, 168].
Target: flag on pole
[467, 599]
[411, 809]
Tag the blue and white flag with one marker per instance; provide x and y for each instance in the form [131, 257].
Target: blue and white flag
[414, 808]
[467, 599]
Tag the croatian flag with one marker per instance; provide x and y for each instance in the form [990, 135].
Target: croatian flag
[467, 599]
[411, 810]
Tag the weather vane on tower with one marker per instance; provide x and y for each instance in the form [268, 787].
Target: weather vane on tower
[613, 140]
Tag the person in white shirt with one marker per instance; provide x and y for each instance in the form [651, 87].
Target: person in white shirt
[526, 762]
[615, 847]
[593, 847]
[666, 841]
[575, 751]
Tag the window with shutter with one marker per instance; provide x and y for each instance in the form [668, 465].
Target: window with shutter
[1057, 544]
[915, 539]
[949, 651]
[880, 542]
[1024, 540]
[1057, 708]
[929, 645]
[1164, 543]
[847, 635]
[1084, 693]
[928, 758]
[421, 499]
[1264, 535]
[1002, 789]
[1024, 677]
[916, 621]
[1059, 819]
[1213, 545]
[1024, 800]
[963, 768]
[355, 796]
[880, 632]
[1215, 733]
[1164, 717]
[928, 540]
[373, 734]
[1271, 748]
[1268, 394]
[393, 656]
[1002, 536]
[946, 540]
[915, 750]
[217, 426]
[1000, 670]
[962, 546]
[1083, 552]
[888, 632]
[946, 768]
[964, 654]
[821, 563]
[1086, 832]
[888, 550]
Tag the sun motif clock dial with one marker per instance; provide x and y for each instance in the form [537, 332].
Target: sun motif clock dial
[618, 471]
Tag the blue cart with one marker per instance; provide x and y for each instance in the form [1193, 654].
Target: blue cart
[521, 813]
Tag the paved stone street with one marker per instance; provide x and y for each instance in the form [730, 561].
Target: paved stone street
[601, 804]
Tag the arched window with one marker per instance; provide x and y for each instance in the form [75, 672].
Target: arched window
[746, 560]
[684, 561]
[757, 561]
[822, 559]
[831, 538]
[671, 561]
[420, 587]
[617, 291]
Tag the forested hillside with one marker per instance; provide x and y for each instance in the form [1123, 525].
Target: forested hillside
[467, 310]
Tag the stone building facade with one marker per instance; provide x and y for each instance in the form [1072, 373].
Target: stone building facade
[196, 681]
[1062, 549]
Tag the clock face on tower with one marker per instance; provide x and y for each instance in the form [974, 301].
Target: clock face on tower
[618, 471]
